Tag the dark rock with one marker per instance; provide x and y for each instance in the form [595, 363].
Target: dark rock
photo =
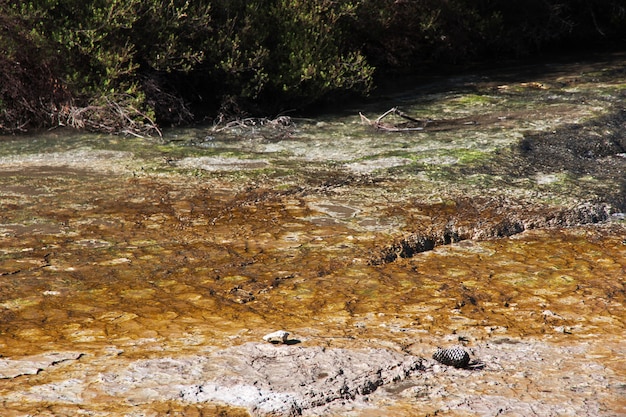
[455, 356]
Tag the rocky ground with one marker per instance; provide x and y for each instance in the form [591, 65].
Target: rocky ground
[138, 276]
[509, 377]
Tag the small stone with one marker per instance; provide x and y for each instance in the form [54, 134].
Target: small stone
[455, 356]
[276, 337]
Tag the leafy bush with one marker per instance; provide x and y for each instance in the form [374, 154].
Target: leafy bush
[282, 53]
[30, 89]
[98, 53]
[128, 65]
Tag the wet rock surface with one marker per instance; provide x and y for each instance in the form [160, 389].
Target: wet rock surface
[483, 218]
[523, 377]
[518, 377]
[12, 368]
[296, 380]
[138, 277]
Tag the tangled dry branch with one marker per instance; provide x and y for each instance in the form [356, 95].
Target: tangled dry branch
[253, 122]
[114, 117]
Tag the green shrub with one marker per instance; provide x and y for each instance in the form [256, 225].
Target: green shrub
[100, 51]
[284, 52]
[128, 65]
[310, 55]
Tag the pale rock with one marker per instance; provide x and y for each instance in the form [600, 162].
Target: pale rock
[279, 336]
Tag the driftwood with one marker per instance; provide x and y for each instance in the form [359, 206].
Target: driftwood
[378, 124]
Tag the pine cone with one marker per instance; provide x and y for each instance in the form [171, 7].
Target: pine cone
[455, 356]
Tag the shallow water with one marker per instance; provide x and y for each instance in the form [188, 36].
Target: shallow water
[205, 239]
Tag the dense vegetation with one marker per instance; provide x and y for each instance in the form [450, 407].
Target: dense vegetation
[132, 65]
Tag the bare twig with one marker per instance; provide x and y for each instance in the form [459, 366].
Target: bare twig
[385, 114]
[378, 124]
[406, 116]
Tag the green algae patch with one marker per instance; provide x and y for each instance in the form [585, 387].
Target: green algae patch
[476, 100]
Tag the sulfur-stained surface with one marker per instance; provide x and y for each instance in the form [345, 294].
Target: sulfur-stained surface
[116, 250]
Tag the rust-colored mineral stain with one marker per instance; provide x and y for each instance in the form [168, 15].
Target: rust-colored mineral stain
[179, 262]
[195, 271]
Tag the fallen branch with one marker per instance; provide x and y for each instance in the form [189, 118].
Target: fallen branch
[378, 124]
[406, 116]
